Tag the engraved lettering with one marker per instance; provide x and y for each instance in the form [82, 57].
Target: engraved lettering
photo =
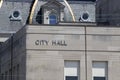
[41, 42]
[59, 43]
[53, 42]
[37, 42]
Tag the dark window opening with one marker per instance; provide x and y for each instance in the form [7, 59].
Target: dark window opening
[2, 76]
[16, 14]
[18, 71]
[71, 78]
[99, 78]
[6, 75]
[52, 19]
[85, 16]
[10, 74]
[39, 16]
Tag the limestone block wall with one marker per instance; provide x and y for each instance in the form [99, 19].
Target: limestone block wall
[41, 52]
[48, 47]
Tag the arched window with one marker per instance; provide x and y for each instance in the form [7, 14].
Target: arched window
[52, 19]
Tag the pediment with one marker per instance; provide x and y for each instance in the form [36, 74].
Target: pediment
[53, 3]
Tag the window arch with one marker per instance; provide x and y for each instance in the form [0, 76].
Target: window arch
[52, 18]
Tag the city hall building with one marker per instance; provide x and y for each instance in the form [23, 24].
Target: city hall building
[49, 43]
[39, 52]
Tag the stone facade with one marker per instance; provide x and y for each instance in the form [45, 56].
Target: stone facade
[43, 51]
[75, 51]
